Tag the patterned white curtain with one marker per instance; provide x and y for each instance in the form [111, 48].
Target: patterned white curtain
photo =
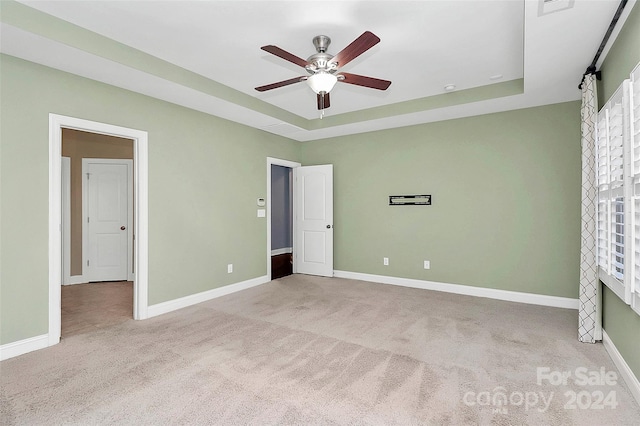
[589, 315]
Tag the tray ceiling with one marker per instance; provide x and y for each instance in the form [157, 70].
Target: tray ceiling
[206, 55]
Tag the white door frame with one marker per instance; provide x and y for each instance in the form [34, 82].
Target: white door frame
[285, 163]
[141, 207]
[85, 213]
[66, 220]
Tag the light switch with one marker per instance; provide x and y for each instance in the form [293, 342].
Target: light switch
[262, 213]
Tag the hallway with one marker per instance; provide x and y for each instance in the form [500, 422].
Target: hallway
[87, 307]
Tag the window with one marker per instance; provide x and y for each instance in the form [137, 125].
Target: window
[618, 174]
[634, 141]
[611, 192]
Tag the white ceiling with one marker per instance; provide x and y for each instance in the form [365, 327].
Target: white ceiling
[425, 46]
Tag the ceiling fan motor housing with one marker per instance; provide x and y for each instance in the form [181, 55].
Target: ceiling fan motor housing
[320, 61]
[321, 43]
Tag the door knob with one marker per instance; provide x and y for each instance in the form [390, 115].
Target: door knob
[328, 226]
[122, 228]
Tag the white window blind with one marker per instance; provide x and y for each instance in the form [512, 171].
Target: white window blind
[616, 134]
[612, 229]
[602, 150]
[634, 140]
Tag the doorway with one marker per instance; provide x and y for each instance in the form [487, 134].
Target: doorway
[99, 175]
[97, 228]
[281, 221]
[280, 217]
[311, 199]
[140, 218]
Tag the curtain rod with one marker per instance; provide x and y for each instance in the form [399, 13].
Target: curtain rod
[591, 69]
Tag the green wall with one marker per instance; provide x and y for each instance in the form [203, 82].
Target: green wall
[622, 57]
[205, 175]
[506, 200]
[622, 325]
[620, 322]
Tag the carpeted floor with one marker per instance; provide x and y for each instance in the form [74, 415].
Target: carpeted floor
[308, 350]
[87, 307]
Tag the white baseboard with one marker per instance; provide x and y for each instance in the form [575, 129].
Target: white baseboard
[20, 347]
[283, 250]
[491, 293]
[80, 279]
[74, 279]
[183, 302]
[623, 367]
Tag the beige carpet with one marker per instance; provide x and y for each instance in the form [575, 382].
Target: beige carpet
[306, 350]
[87, 307]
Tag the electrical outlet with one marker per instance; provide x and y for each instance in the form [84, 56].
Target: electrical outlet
[427, 264]
[230, 268]
[385, 261]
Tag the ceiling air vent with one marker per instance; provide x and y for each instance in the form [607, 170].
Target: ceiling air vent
[546, 7]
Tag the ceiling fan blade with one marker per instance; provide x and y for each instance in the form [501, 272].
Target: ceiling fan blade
[275, 50]
[357, 47]
[323, 101]
[361, 80]
[280, 84]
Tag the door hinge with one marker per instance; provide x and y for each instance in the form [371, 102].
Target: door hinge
[87, 262]
[88, 174]
[87, 219]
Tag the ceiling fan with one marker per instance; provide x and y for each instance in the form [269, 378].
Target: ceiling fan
[324, 67]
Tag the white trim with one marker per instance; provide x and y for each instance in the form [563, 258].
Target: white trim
[623, 367]
[66, 220]
[635, 302]
[55, 225]
[491, 293]
[193, 299]
[84, 188]
[76, 279]
[284, 250]
[612, 283]
[87, 270]
[291, 165]
[141, 219]
[20, 347]
[141, 228]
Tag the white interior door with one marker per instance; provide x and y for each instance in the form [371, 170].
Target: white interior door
[313, 251]
[109, 202]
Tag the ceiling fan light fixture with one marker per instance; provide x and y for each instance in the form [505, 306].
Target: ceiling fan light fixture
[322, 82]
